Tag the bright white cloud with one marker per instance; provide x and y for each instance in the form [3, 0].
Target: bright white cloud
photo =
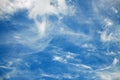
[11, 6]
[115, 61]
[109, 75]
[45, 8]
[43, 28]
[59, 59]
[35, 7]
[40, 8]
[48, 7]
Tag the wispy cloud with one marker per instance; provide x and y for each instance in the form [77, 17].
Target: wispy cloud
[44, 28]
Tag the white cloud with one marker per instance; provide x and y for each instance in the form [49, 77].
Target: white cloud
[45, 8]
[106, 37]
[11, 6]
[5, 67]
[43, 28]
[59, 59]
[35, 7]
[115, 61]
[110, 34]
[59, 76]
[50, 75]
[41, 7]
[77, 38]
[48, 7]
[109, 75]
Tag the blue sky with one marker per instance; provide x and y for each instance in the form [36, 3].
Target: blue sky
[59, 40]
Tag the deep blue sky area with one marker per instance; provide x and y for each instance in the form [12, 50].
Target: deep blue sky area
[59, 40]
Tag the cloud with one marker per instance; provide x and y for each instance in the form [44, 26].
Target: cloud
[35, 7]
[60, 76]
[106, 15]
[43, 9]
[59, 59]
[109, 75]
[77, 38]
[11, 6]
[38, 36]
[110, 72]
[39, 11]
[48, 7]
[110, 34]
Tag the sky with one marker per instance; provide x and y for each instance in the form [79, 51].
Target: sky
[59, 39]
